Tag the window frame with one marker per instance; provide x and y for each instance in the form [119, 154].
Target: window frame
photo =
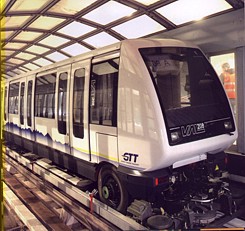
[22, 102]
[13, 107]
[62, 106]
[42, 108]
[5, 102]
[111, 107]
[29, 102]
[78, 127]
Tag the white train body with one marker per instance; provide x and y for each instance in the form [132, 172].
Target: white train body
[141, 105]
[141, 125]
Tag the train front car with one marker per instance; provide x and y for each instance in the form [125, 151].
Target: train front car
[174, 119]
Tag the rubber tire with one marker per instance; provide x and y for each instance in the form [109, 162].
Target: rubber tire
[108, 172]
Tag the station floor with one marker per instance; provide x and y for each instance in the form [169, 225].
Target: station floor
[11, 222]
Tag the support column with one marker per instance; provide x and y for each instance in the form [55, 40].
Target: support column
[240, 74]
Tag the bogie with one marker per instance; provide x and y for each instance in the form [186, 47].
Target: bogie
[112, 190]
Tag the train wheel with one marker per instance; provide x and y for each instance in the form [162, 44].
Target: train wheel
[111, 190]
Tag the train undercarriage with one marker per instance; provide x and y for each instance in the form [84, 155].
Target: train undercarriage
[197, 196]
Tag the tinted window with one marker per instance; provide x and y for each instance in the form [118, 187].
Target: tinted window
[14, 98]
[29, 103]
[22, 91]
[5, 103]
[190, 93]
[45, 96]
[78, 102]
[103, 93]
[62, 95]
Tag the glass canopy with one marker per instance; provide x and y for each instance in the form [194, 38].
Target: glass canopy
[41, 32]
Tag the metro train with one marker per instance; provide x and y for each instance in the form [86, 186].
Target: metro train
[138, 117]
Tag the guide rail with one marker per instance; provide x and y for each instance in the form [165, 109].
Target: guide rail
[68, 191]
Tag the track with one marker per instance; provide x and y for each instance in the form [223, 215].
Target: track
[55, 199]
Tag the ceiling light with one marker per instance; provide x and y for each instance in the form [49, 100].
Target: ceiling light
[10, 73]
[57, 56]
[27, 36]
[5, 35]
[31, 66]
[109, 12]
[75, 49]
[13, 21]
[15, 61]
[130, 29]
[18, 71]
[42, 62]
[76, 29]
[26, 5]
[54, 41]
[70, 7]
[101, 39]
[46, 23]
[25, 56]
[16, 46]
[147, 2]
[183, 11]
[37, 49]
[6, 52]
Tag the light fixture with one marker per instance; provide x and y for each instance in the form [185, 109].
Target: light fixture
[100, 40]
[138, 27]
[54, 41]
[75, 49]
[109, 12]
[57, 56]
[76, 29]
[183, 11]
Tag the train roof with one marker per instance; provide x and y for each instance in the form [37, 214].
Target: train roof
[142, 42]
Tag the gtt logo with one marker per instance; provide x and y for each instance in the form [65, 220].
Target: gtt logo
[130, 157]
[192, 129]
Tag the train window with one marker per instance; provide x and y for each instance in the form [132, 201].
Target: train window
[62, 95]
[14, 98]
[5, 103]
[45, 96]
[22, 90]
[189, 91]
[103, 93]
[78, 98]
[29, 99]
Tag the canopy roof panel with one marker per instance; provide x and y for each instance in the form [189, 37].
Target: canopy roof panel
[40, 32]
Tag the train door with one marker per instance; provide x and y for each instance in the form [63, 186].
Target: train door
[62, 106]
[13, 110]
[103, 108]
[103, 129]
[22, 108]
[4, 89]
[29, 112]
[79, 126]
[45, 113]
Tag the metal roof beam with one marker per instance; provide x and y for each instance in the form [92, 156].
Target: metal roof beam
[237, 4]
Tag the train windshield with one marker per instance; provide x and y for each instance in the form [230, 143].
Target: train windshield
[191, 96]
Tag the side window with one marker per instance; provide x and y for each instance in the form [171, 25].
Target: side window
[62, 95]
[78, 98]
[45, 96]
[14, 98]
[5, 102]
[29, 99]
[22, 91]
[103, 93]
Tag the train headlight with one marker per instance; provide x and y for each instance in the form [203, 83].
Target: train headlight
[228, 125]
[175, 136]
